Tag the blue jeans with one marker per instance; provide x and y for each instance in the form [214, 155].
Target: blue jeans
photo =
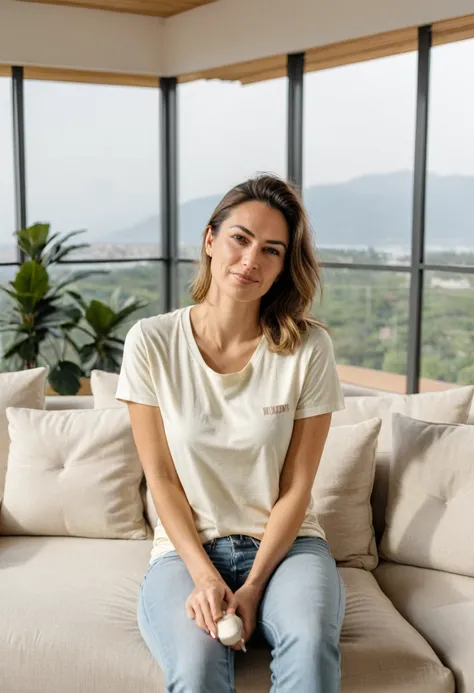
[300, 616]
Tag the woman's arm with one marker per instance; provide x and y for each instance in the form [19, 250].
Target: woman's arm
[207, 601]
[296, 483]
[167, 492]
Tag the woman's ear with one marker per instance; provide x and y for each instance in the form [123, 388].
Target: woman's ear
[208, 241]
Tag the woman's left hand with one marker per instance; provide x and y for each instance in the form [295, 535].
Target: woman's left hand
[245, 604]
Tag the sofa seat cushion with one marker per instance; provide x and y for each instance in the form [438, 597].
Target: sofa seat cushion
[441, 607]
[68, 615]
[380, 650]
[68, 619]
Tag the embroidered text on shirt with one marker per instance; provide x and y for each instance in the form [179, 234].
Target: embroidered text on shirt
[277, 409]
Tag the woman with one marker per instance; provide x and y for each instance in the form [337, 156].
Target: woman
[230, 402]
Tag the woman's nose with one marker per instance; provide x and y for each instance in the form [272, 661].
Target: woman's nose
[251, 257]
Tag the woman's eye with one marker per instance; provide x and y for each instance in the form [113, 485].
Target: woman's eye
[273, 251]
[238, 238]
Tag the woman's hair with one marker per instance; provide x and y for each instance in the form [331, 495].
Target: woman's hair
[285, 309]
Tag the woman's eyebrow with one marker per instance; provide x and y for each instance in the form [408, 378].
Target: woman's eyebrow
[250, 233]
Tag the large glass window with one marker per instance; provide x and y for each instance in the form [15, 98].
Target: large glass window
[7, 274]
[450, 183]
[227, 133]
[367, 314]
[359, 129]
[186, 272]
[7, 199]
[93, 163]
[447, 330]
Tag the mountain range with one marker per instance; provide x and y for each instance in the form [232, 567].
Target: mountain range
[373, 210]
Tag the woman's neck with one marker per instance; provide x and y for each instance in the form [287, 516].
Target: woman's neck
[226, 323]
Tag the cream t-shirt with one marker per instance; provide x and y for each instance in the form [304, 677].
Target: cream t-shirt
[228, 434]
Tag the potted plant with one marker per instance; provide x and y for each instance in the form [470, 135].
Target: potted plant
[47, 317]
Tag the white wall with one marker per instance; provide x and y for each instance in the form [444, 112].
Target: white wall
[220, 33]
[230, 31]
[69, 37]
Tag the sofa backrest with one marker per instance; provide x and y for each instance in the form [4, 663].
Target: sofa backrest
[380, 490]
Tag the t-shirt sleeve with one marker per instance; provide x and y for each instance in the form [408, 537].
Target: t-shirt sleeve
[321, 392]
[136, 383]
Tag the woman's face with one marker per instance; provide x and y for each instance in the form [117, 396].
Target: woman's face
[248, 252]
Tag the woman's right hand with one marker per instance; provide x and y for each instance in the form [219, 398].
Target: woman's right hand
[207, 603]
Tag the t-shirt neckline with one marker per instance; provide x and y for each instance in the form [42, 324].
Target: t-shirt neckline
[192, 344]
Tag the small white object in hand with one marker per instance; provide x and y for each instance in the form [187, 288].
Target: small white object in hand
[229, 629]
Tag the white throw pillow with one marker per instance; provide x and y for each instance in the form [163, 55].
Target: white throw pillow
[18, 389]
[342, 490]
[448, 406]
[104, 387]
[430, 510]
[72, 473]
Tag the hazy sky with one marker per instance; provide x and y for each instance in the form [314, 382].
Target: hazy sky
[93, 152]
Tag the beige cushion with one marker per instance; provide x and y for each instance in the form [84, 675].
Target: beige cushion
[448, 406]
[341, 493]
[381, 652]
[104, 387]
[68, 614]
[430, 510]
[20, 389]
[72, 473]
[441, 607]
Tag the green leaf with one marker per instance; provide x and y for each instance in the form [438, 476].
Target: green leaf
[33, 239]
[75, 277]
[72, 343]
[31, 284]
[83, 329]
[87, 351]
[123, 314]
[77, 298]
[58, 253]
[68, 235]
[65, 378]
[24, 348]
[100, 317]
[112, 350]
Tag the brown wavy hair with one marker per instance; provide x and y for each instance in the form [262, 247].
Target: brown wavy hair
[285, 310]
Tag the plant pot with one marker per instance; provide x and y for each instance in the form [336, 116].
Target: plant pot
[85, 388]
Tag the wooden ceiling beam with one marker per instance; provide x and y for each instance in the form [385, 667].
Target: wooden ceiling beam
[152, 8]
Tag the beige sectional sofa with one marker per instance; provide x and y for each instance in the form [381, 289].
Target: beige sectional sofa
[68, 602]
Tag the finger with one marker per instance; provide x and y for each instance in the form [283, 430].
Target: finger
[217, 607]
[190, 612]
[232, 605]
[239, 646]
[200, 618]
[209, 621]
[230, 600]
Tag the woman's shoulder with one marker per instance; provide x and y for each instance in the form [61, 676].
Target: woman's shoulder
[156, 328]
[316, 338]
